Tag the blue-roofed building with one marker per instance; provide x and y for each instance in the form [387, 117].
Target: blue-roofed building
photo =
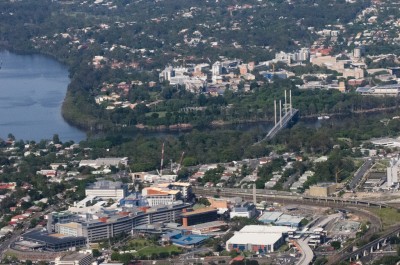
[184, 239]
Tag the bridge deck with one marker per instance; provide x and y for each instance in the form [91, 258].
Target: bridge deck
[280, 124]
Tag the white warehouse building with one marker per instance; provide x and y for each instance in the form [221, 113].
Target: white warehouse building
[258, 238]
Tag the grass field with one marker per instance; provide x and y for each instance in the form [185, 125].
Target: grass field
[148, 248]
[139, 243]
[388, 216]
[151, 250]
[161, 114]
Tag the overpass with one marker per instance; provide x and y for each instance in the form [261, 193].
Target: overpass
[285, 197]
[347, 254]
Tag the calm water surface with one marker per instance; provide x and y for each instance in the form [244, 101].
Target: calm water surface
[32, 89]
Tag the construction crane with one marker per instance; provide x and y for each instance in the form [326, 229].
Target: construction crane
[180, 162]
[162, 159]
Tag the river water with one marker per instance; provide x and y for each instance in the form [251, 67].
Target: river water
[32, 89]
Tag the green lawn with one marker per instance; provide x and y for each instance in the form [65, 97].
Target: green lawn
[388, 216]
[161, 114]
[150, 250]
[139, 243]
[145, 247]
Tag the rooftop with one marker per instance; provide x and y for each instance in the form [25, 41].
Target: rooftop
[190, 240]
[72, 225]
[44, 237]
[74, 256]
[254, 238]
[265, 229]
[105, 184]
[323, 184]
[199, 211]
[207, 225]
[269, 217]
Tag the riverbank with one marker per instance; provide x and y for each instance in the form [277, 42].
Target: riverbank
[33, 88]
[79, 110]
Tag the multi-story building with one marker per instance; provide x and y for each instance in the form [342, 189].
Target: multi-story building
[105, 190]
[109, 223]
[322, 189]
[69, 229]
[53, 242]
[160, 196]
[60, 218]
[245, 209]
[104, 162]
[199, 216]
[216, 69]
[167, 73]
[184, 187]
[393, 172]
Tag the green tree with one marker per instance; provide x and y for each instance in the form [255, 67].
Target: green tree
[336, 244]
[96, 253]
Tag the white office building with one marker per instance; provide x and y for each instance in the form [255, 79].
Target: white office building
[160, 196]
[393, 172]
[245, 209]
[216, 69]
[105, 190]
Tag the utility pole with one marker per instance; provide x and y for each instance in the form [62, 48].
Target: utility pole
[280, 112]
[254, 194]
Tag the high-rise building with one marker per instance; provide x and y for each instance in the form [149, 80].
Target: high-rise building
[167, 73]
[303, 54]
[216, 68]
[393, 172]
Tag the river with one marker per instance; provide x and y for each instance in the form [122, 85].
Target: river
[32, 89]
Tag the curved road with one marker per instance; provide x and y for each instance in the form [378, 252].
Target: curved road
[307, 255]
